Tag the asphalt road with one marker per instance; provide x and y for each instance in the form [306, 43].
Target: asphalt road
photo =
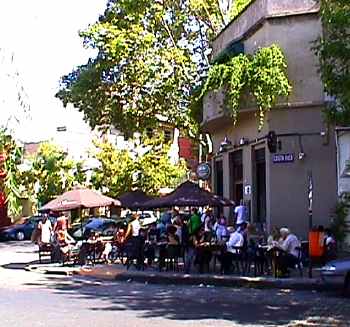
[31, 299]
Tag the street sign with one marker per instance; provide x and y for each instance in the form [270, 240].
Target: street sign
[283, 158]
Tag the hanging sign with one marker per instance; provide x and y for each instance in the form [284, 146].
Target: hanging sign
[283, 158]
[203, 171]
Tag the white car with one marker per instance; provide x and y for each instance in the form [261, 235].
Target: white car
[147, 218]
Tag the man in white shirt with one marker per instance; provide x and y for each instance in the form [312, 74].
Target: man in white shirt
[241, 214]
[236, 240]
[291, 245]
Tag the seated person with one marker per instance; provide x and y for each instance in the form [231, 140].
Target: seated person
[64, 244]
[151, 242]
[172, 237]
[291, 246]
[235, 241]
[220, 229]
[330, 245]
[202, 250]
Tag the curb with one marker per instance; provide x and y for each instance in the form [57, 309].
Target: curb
[305, 284]
[210, 280]
[51, 270]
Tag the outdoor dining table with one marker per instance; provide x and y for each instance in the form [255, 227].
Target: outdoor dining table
[91, 248]
[273, 252]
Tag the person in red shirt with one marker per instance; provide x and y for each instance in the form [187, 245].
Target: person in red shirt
[61, 224]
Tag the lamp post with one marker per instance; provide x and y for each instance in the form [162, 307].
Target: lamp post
[310, 199]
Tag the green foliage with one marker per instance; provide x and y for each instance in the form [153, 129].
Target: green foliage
[263, 75]
[115, 172]
[151, 56]
[10, 183]
[51, 173]
[333, 51]
[238, 7]
[156, 170]
[339, 224]
[149, 168]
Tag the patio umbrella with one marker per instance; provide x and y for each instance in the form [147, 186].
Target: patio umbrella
[134, 199]
[188, 194]
[79, 198]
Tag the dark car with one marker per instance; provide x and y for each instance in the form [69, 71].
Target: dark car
[104, 226]
[21, 231]
[337, 272]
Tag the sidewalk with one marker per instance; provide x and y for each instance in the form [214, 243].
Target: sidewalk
[119, 273]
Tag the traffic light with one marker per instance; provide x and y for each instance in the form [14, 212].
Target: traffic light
[272, 141]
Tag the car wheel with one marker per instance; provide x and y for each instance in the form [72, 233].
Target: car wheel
[346, 289]
[19, 236]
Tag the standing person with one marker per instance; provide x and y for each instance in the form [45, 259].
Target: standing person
[208, 226]
[45, 228]
[135, 241]
[241, 214]
[194, 223]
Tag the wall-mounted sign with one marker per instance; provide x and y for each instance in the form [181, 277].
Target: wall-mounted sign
[203, 171]
[283, 158]
[247, 190]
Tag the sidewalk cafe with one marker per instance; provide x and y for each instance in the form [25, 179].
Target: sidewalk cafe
[187, 238]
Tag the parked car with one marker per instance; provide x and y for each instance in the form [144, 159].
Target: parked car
[337, 272]
[104, 226]
[22, 231]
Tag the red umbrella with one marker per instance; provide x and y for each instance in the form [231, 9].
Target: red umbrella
[79, 198]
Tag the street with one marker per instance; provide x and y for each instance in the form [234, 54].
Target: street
[29, 299]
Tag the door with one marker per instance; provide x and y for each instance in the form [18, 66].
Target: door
[260, 186]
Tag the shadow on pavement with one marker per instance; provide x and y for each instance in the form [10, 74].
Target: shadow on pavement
[240, 305]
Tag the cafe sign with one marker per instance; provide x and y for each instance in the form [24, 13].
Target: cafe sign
[203, 171]
[283, 158]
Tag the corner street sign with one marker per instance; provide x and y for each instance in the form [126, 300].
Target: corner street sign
[283, 158]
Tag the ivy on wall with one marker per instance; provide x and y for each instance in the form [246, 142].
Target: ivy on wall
[262, 75]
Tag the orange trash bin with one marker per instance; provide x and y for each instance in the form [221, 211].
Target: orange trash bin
[316, 244]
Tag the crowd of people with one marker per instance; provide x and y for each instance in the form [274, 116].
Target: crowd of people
[195, 237]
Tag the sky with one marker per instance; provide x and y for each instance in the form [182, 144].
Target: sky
[42, 36]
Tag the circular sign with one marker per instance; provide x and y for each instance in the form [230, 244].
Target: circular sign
[203, 171]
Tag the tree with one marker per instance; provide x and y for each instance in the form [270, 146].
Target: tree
[114, 176]
[156, 170]
[11, 155]
[151, 55]
[51, 173]
[147, 167]
[334, 53]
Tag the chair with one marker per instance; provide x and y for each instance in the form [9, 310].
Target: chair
[239, 259]
[172, 257]
[299, 265]
[45, 250]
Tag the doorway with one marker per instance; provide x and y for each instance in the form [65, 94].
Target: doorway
[260, 186]
[236, 176]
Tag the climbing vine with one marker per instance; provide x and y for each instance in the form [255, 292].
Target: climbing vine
[262, 75]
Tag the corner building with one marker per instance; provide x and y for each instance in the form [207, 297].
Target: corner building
[276, 186]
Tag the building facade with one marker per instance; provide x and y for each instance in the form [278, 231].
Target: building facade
[276, 186]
